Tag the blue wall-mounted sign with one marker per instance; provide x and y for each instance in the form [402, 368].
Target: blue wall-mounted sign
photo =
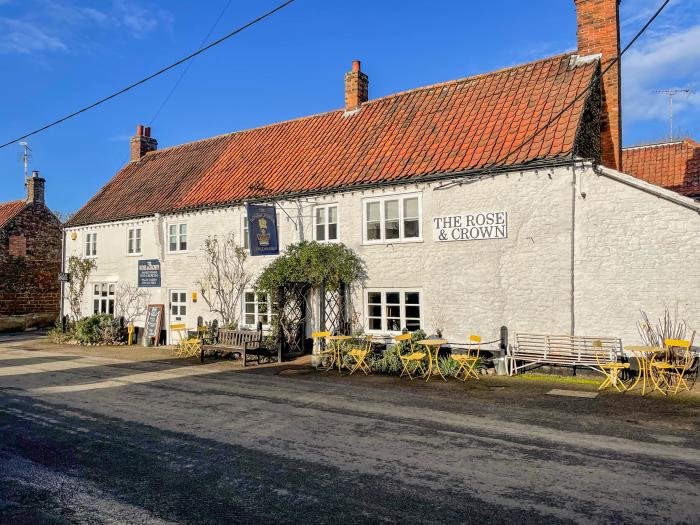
[262, 229]
[149, 273]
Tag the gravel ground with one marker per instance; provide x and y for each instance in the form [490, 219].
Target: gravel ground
[135, 436]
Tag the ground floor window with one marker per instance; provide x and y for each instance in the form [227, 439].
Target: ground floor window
[103, 298]
[257, 308]
[393, 310]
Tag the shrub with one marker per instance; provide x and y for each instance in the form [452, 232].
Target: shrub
[98, 329]
[448, 366]
[58, 336]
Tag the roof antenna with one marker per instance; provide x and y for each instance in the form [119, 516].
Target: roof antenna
[670, 93]
[26, 155]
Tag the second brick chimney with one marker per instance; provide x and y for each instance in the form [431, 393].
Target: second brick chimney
[35, 188]
[599, 33]
[356, 87]
[142, 143]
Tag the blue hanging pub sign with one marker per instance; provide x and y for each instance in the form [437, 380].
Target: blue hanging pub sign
[149, 273]
[262, 229]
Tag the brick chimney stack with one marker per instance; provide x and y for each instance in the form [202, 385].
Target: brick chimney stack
[356, 87]
[599, 33]
[142, 142]
[35, 188]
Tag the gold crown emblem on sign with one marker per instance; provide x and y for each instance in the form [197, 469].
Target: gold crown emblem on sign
[262, 223]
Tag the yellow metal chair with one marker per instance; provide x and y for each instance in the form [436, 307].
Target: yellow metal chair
[412, 358]
[469, 360]
[187, 346]
[611, 369]
[326, 351]
[357, 357]
[674, 367]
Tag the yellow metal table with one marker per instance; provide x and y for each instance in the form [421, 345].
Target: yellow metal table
[432, 347]
[336, 342]
[643, 355]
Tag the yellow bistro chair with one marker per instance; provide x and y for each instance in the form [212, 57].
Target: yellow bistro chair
[326, 351]
[611, 369]
[357, 357]
[673, 368]
[187, 346]
[412, 358]
[468, 361]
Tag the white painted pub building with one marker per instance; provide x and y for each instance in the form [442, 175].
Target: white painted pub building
[496, 200]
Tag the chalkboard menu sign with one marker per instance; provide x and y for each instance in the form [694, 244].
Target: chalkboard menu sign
[154, 320]
[149, 273]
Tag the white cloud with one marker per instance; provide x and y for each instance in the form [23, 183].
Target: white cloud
[43, 26]
[18, 36]
[660, 62]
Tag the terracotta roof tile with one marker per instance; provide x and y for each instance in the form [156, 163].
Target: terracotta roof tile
[8, 210]
[456, 126]
[673, 165]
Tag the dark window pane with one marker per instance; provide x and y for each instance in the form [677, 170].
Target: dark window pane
[413, 311]
[332, 232]
[375, 310]
[183, 297]
[320, 232]
[394, 325]
[173, 245]
[410, 229]
[374, 297]
[412, 298]
[249, 297]
[393, 298]
[393, 311]
[374, 231]
[174, 309]
[111, 306]
[96, 306]
[250, 308]
[391, 230]
[183, 310]
[249, 319]
[183, 244]
[375, 323]
[263, 319]
[412, 325]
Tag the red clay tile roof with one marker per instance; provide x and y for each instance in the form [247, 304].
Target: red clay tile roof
[8, 210]
[674, 165]
[446, 128]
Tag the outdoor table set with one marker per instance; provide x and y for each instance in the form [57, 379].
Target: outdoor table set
[658, 368]
[418, 359]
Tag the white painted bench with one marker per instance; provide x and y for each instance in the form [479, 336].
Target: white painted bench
[567, 350]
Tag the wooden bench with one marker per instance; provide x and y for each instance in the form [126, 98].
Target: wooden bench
[242, 342]
[567, 350]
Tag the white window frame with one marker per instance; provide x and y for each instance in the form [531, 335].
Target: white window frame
[327, 223]
[129, 239]
[178, 234]
[256, 313]
[92, 253]
[111, 289]
[402, 308]
[244, 232]
[400, 197]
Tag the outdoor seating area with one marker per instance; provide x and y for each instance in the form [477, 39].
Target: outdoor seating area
[409, 355]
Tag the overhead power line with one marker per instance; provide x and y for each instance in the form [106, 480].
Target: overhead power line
[189, 64]
[152, 76]
[578, 97]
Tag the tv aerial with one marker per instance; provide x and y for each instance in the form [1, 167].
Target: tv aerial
[671, 93]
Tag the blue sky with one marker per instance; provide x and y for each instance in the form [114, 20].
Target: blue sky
[57, 55]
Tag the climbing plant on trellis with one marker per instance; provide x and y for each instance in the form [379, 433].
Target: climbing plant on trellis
[331, 268]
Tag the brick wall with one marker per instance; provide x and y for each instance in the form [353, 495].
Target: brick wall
[28, 284]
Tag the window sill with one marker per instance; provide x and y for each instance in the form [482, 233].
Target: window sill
[417, 240]
[177, 252]
[134, 255]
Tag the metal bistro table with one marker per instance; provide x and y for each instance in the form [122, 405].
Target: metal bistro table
[336, 342]
[643, 355]
[432, 347]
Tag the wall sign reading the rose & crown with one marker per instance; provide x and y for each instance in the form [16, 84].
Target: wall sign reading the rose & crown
[471, 226]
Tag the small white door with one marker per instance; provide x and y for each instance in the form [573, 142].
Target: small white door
[178, 311]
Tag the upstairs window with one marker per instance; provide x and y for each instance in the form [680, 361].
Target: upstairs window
[90, 245]
[326, 223]
[134, 241]
[103, 298]
[177, 237]
[392, 219]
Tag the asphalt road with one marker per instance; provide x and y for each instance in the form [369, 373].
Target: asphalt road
[95, 440]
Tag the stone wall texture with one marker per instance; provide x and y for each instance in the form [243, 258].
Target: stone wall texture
[29, 290]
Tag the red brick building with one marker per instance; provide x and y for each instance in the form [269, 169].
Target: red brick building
[30, 259]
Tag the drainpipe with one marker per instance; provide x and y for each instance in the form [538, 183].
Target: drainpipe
[63, 269]
[572, 303]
